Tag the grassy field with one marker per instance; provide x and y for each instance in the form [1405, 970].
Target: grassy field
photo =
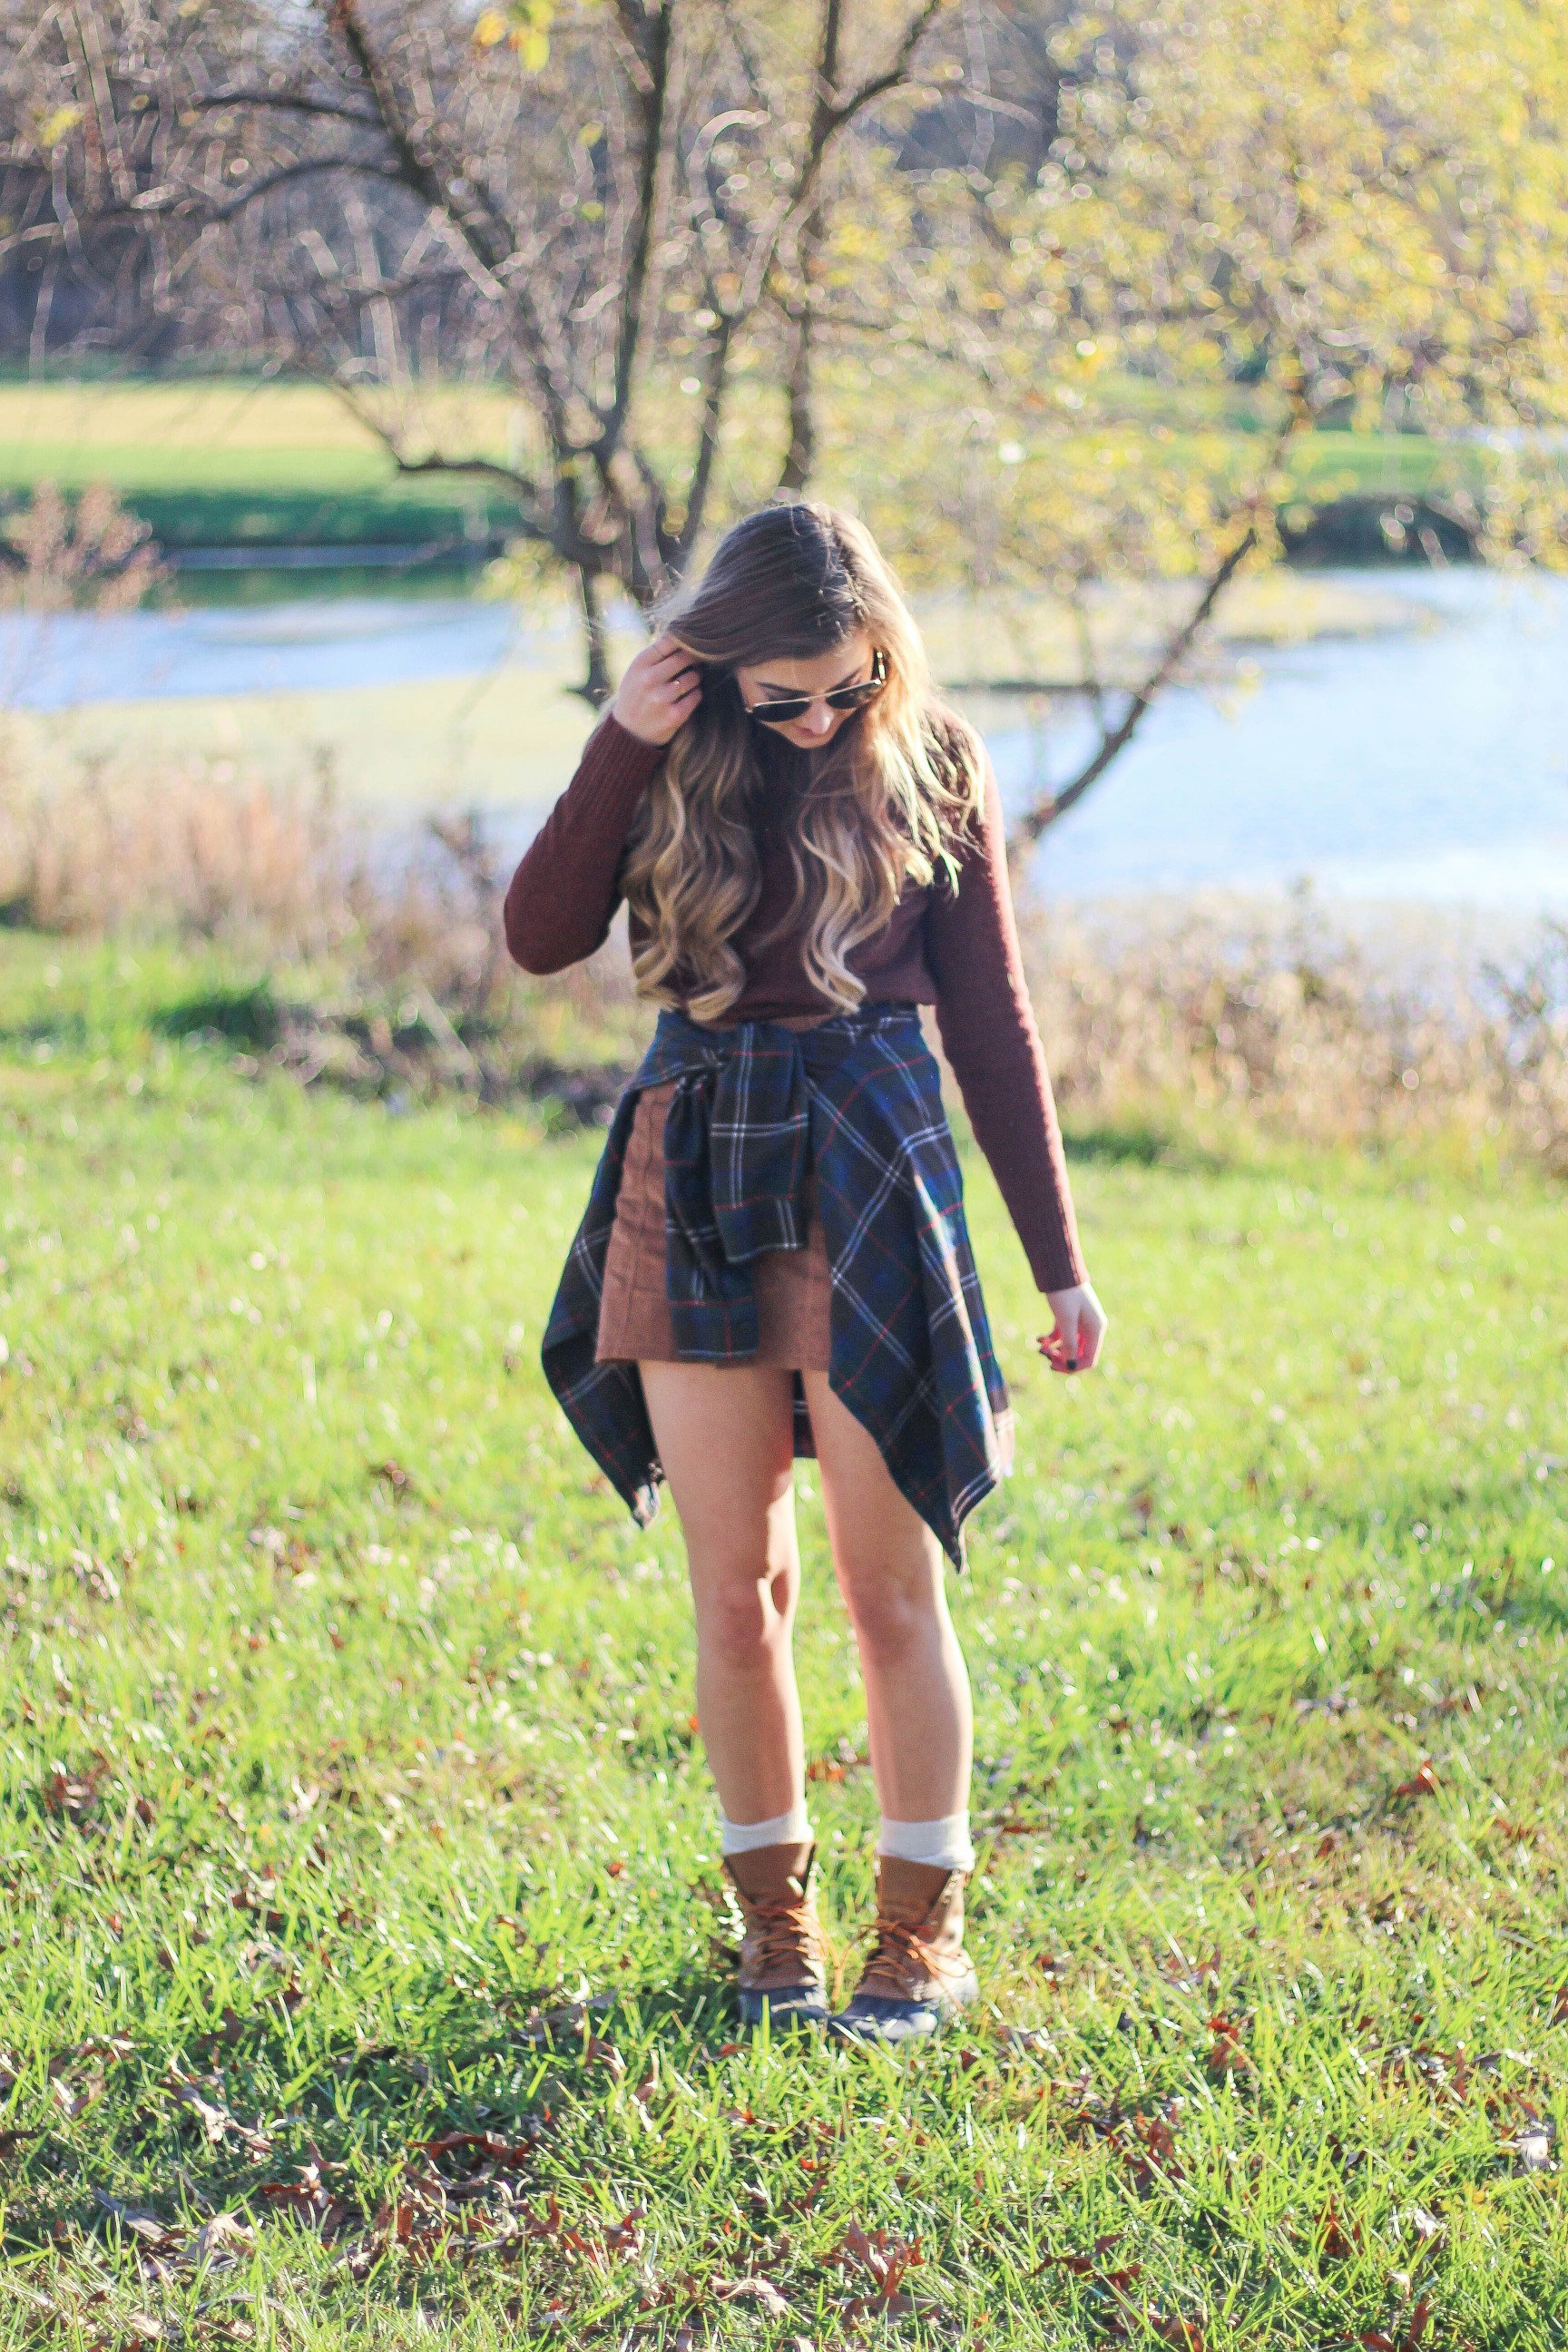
[359, 1982]
[235, 463]
[220, 462]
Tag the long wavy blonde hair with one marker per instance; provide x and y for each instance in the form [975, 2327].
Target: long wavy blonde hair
[888, 802]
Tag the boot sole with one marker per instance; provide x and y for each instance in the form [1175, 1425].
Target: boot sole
[887, 2022]
[792, 2005]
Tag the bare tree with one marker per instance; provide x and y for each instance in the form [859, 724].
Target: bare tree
[1008, 276]
[607, 225]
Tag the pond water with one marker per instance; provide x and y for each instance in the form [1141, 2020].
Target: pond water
[309, 645]
[1427, 763]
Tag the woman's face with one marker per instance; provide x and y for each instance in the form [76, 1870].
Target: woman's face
[848, 664]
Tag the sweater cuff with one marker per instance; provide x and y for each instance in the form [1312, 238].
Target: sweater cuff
[614, 756]
[1061, 1273]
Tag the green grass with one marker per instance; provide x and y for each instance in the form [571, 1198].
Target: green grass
[212, 462]
[347, 1737]
[231, 463]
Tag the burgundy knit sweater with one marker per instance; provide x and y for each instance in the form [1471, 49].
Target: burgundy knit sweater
[956, 948]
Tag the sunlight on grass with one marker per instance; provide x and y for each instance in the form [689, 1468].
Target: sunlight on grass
[360, 1981]
[235, 461]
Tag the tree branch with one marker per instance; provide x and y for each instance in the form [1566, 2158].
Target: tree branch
[48, 230]
[831, 113]
[521, 487]
[1046, 812]
[751, 65]
[894, 72]
[1112, 742]
[490, 237]
[707, 439]
[278, 179]
[477, 221]
[651, 105]
[292, 102]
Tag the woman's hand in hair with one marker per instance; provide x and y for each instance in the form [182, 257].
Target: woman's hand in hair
[660, 692]
[1075, 1343]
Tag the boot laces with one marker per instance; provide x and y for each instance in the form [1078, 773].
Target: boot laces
[902, 1961]
[782, 1928]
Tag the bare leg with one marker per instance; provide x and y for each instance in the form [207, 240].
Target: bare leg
[725, 1436]
[891, 1571]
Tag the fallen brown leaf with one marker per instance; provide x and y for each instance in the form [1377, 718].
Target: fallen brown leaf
[888, 2259]
[72, 1796]
[222, 2238]
[214, 2120]
[1227, 2056]
[1168, 2329]
[1082, 2266]
[1336, 2242]
[1152, 2159]
[310, 2197]
[480, 2149]
[75, 2097]
[760, 2291]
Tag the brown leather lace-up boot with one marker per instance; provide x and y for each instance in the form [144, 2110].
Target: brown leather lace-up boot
[919, 1974]
[782, 1965]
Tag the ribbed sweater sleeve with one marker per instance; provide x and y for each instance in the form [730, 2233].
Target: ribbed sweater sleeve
[992, 1040]
[562, 897]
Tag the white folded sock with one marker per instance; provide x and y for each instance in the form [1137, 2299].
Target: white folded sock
[784, 1829]
[945, 1844]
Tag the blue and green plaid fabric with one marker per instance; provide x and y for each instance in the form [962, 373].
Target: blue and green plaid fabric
[757, 1109]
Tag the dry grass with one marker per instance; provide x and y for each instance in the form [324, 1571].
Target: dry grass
[196, 850]
[384, 970]
[1289, 1018]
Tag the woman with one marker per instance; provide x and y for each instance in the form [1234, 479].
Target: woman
[774, 1260]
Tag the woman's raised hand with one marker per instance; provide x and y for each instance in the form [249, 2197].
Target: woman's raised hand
[1075, 1343]
[661, 688]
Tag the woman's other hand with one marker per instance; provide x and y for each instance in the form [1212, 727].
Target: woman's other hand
[1075, 1343]
[661, 688]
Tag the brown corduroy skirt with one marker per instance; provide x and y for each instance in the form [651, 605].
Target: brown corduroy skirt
[792, 1287]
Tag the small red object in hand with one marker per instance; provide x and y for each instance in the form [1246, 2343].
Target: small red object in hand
[1073, 1343]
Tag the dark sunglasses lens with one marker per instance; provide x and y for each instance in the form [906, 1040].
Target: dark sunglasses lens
[791, 707]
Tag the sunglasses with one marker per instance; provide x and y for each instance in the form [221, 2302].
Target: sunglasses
[791, 707]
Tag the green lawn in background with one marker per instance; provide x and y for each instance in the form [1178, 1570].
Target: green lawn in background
[358, 1976]
[218, 462]
[245, 463]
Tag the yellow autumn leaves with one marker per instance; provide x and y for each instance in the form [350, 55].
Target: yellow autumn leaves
[524, 27]
[57, 124]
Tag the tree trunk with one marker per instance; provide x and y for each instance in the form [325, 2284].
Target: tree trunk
[597, 687]
[800, 457]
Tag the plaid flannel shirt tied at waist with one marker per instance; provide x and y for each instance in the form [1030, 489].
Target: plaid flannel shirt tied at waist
[758, 1109]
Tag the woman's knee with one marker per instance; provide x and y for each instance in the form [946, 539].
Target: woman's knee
[892, 1615]
[743, 1618]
